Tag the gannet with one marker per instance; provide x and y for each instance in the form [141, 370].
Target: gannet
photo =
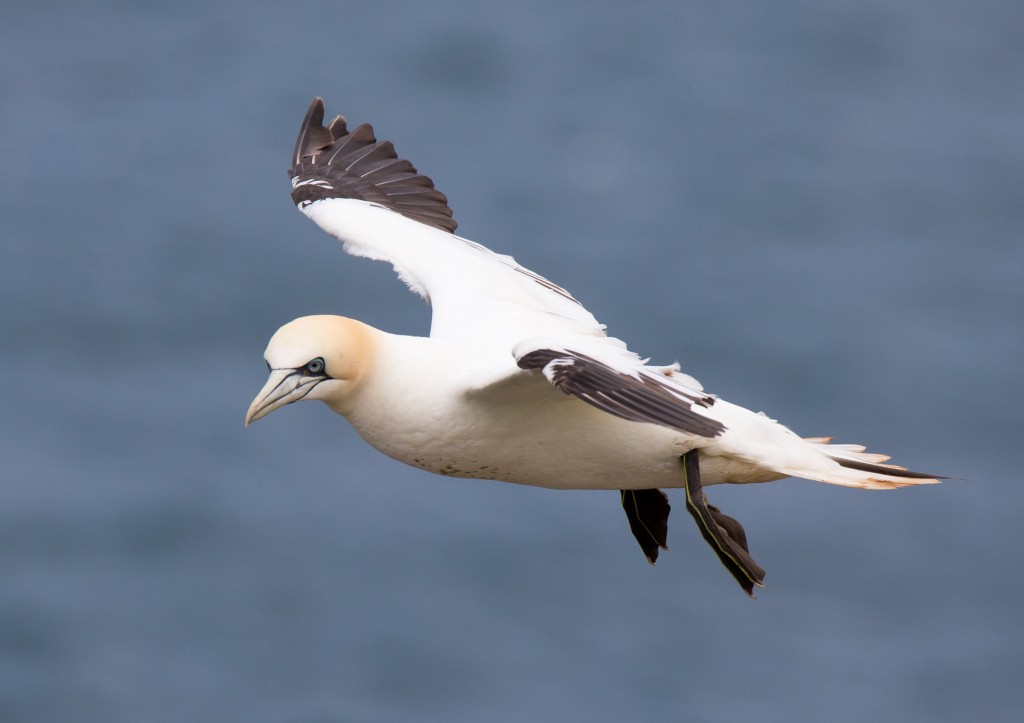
[517, 381]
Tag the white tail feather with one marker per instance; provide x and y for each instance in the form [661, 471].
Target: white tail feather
[878, 476]
[768, 446]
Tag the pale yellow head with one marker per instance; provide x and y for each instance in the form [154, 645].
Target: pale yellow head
[314, 357]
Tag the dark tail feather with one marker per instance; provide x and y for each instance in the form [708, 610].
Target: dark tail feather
[887, 469]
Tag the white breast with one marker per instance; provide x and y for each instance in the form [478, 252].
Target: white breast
[420, 408]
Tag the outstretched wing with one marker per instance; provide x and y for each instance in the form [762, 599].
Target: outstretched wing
[358, 190]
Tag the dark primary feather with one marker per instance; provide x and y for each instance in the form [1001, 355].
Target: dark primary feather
[643, 399]
[331, 162]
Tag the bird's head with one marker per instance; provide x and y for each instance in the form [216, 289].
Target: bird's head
[314, 357]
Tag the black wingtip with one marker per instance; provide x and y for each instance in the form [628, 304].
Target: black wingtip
[314, 119]
[330, 162]
[315, 113]
[643, 398]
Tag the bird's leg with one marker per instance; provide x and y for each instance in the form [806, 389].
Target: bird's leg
[647, 512]
[723, 533]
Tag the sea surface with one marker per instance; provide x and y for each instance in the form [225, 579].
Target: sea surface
[817, 208]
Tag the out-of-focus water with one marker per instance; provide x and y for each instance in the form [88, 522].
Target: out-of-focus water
[817, 207]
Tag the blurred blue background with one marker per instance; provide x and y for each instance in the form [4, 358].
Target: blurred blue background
[818, 208]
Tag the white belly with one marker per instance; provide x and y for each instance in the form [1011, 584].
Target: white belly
[536, 435]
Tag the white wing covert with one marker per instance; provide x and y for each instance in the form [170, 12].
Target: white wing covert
[358, 190]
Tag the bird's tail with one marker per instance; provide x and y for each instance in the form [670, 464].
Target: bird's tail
[849, 465]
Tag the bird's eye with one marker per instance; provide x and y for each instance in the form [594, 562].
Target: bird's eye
[315, 367]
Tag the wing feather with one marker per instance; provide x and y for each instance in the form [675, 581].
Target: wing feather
[642, 394]
[332, 162]
[357, 189]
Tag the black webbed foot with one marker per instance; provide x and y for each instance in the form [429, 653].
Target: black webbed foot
[647, 512]
[731, 526]
[723, 533]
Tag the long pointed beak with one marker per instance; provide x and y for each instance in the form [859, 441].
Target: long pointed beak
[283, 387]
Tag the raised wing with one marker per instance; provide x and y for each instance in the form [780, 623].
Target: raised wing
[358, 190]
[624, 386]
[331, 162]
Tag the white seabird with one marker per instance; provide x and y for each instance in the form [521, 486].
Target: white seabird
[517, 380]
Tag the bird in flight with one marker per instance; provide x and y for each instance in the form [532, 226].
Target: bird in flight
[517, 381]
